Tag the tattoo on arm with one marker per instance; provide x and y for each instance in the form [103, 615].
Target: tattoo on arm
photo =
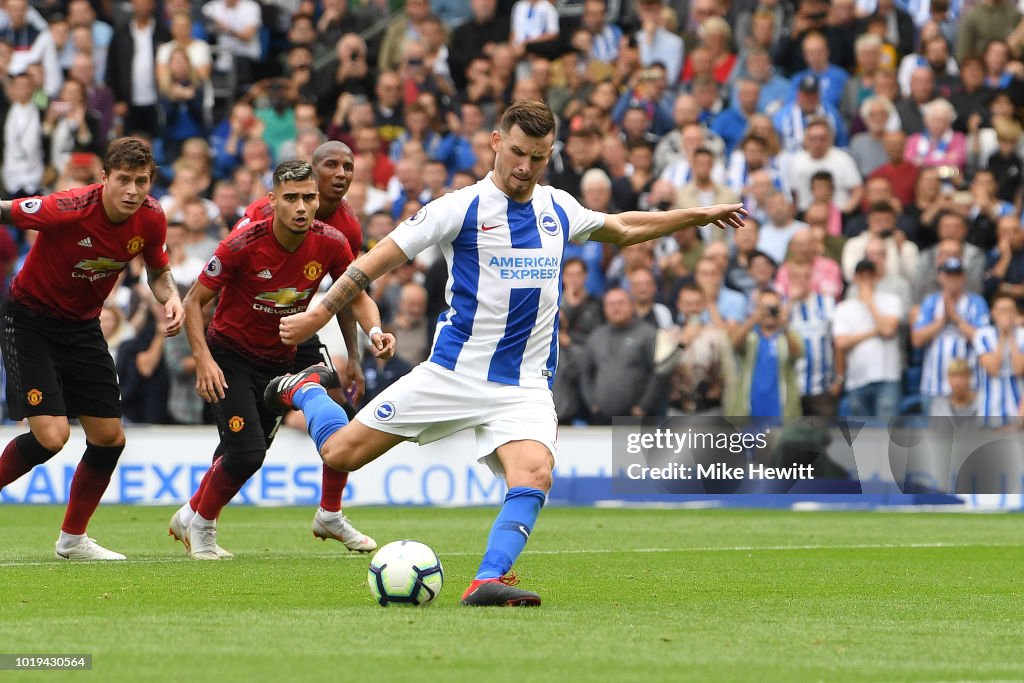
[162, 284]
[358, 277]
[345, 289]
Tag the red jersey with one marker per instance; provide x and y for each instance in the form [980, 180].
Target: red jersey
[343, 219]
[260, 283]
[79, 251]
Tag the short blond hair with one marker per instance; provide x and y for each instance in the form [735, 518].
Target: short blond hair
[1008, 130]
[717, 25]
[958, 366]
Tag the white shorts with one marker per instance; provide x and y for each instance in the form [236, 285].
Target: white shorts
[432, 402]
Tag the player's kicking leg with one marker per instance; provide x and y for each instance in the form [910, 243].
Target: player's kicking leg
[527, 466]
[330, 521]
[343, 446]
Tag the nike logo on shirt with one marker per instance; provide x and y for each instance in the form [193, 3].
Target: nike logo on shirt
[491, 227]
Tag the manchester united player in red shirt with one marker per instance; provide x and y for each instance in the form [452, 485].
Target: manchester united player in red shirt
[334, 167]
[264, 270]
[57, 361]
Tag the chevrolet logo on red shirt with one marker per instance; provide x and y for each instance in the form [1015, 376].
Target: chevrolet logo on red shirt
[100, 265]
[283, 298]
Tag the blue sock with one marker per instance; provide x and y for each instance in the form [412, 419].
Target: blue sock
[510, 531]
[323, 415]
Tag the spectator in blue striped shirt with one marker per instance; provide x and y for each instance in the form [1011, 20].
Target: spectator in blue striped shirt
[945, 327]
[604, 37]
[810, 316]
[1000, 348]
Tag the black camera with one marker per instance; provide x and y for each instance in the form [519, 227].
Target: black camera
[773, 311]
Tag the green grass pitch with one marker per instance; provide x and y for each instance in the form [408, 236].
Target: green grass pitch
[630, 595]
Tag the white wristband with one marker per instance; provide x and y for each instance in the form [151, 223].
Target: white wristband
[375, 330]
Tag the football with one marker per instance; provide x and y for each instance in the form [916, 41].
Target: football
[405, 573]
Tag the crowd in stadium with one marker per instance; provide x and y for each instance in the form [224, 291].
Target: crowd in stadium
[877, 145]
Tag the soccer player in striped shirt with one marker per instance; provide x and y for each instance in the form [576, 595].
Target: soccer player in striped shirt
[1000, 348]
[946, 324]
[496, 347]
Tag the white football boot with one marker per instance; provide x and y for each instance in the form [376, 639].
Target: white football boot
[180, 532]
[203, 540]
[335, 525]
[86, 549]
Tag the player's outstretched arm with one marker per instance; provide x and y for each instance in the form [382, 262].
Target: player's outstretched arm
[162, 284]
[7, 212]
[210, 382]
[633, 227]
[384, 257]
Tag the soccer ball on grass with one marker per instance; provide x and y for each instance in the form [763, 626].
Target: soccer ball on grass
[405, 573]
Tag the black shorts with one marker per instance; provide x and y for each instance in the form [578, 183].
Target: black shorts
[57, 367]
[243, 422]
[311, 352]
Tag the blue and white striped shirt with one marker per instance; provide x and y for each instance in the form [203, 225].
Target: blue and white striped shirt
[504, 277]
[533, 20]
[738, 175]
[998, 395]
[949, 343]
[679, 173]
[812, 318]
[604, 46]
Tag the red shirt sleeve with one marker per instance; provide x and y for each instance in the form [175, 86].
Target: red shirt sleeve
[155, 249]
[39, 213]
[220, 269]
[256, 211]
[343, 258]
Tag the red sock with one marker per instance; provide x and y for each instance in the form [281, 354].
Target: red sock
[13, 464]
[333, 487]
[220, 489]
[87, 488]
[198, 495]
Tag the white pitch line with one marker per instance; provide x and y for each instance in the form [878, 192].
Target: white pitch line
[576, 551]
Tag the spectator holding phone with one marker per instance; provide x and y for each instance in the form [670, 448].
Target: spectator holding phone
[69, 126]
[768, 352]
